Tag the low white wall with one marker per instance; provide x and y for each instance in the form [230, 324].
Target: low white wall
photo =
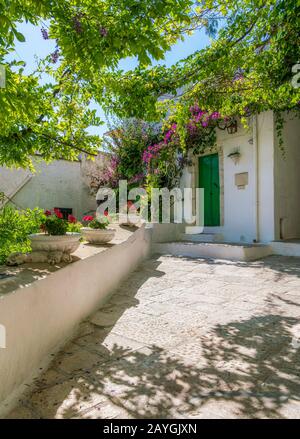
[39, 318]
[166, 232]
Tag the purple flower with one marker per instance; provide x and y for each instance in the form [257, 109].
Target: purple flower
[45, 33]
[114, 162]
[238, 76]
[55, 56]
[136, 178]
[103, 31]
[77, 24]
[204, 123]
[195, 108]
[191, 127]
[215, 115]
[168, 136]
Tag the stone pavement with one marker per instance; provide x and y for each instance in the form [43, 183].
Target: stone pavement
[183, 338]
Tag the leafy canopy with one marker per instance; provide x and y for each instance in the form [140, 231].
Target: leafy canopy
[247, 68]
[91, 37]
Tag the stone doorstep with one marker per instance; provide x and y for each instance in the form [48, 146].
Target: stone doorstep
[213, 250]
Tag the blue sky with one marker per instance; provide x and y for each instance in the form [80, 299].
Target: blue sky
[36, 46]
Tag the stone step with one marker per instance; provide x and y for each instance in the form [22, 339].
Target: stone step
[286, 248]
[213, 250]
[201, 237]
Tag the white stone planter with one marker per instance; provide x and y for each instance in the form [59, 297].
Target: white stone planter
[130, 220]
[97, 236]
[68, 243]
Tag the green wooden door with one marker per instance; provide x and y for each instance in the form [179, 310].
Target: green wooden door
[209, 180]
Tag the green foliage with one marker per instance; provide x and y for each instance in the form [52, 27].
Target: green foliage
[91, 37]
[247, 69]
[100, 225]
[74, 227]
[15, 226]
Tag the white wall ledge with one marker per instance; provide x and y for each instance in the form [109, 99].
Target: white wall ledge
[40, 318]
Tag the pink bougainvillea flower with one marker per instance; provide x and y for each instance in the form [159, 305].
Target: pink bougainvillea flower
[72, 219]
[194, 108]
[215, 115]
[47, 213]
[88, 218]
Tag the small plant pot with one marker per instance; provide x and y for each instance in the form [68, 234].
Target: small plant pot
[97, 236]
[68, 243]
[130, 220]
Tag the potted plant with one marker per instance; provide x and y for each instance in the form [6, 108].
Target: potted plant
[58, 234]
[131, 218]
[96, 230]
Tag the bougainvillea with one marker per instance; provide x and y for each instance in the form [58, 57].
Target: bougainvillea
[165, 160]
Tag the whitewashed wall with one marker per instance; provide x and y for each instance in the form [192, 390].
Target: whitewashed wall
[238, 219]
[266, 183]
[287, 181]
[247, 214]
[58, 184]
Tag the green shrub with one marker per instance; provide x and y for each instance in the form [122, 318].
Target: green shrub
[15, 226]
[74, 227]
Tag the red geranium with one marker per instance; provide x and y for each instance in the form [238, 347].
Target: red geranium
[72, 219]
[47, 213]
[58, 213]
[88, 218]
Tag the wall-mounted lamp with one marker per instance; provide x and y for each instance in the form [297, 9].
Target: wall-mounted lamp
[229, 124]
[235, 156]
[232, 127]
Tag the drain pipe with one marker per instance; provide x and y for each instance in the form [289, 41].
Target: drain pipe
[256, 178]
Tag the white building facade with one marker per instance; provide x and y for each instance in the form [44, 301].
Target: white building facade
[59, 184]
[251, 186]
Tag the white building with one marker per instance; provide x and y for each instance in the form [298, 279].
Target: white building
[251, 191]
[60, 184]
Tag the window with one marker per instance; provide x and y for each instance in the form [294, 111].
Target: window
[65, 211]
